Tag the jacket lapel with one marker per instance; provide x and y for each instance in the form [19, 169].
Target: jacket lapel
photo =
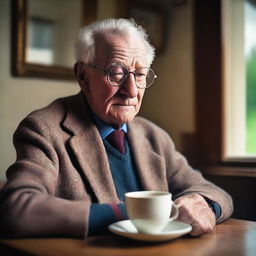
[89, 150]
[150, 165]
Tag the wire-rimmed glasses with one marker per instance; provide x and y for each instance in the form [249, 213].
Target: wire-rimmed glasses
[118, 74]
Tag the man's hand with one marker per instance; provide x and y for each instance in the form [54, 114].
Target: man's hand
[194, 210]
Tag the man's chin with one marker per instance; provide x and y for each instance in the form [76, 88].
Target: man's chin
[119, 107]
[119, 120]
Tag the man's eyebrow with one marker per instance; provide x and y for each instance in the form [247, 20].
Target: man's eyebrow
[110, 64]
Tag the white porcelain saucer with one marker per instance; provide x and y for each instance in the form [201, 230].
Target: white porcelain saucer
[172, 230]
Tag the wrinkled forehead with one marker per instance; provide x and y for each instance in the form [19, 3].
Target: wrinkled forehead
[127, 56]
[126, 50]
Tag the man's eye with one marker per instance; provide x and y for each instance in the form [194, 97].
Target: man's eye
[116, 73]
[140, 74]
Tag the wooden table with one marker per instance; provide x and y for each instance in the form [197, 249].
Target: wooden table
[231, 238]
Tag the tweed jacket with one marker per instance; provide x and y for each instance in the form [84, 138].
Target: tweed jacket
[62, 167]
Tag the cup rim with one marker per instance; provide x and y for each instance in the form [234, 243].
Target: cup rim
[138, 194]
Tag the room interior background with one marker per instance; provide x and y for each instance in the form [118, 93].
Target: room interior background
[184, 100]
[169, 102]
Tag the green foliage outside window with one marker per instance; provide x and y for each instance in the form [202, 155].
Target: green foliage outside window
[251, 102]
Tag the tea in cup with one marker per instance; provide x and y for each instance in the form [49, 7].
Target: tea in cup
[150, 211]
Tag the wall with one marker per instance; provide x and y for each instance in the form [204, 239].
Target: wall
[169, 102]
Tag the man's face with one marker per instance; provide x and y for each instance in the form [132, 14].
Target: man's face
[115, 105]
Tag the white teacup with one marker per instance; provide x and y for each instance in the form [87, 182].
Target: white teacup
[150, 211]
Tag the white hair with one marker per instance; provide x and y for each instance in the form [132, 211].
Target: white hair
[86, 43]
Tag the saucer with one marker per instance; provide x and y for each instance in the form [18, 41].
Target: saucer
[172, 230]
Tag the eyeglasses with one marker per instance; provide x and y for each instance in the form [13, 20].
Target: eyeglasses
[118, 74]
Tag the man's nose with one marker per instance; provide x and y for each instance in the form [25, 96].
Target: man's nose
[129, 88]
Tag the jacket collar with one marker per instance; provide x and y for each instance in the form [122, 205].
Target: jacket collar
[89, 150]
[78, 117]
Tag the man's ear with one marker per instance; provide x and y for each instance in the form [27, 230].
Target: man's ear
[80, 75]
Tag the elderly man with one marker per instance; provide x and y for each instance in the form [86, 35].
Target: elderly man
[78, 156]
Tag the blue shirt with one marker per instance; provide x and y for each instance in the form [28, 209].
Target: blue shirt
[106, 129]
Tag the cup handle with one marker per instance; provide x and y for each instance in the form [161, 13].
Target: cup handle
[176, 212]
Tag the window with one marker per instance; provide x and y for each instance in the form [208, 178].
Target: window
[239, 79]
[250, 54]
[214, 127]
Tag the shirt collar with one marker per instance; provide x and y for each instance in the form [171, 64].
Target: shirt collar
[104, 128]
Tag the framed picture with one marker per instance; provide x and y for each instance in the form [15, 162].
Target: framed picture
[38, 33]
[154, 18]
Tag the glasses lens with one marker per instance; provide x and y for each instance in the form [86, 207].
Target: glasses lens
[144, 77]
[117, 75]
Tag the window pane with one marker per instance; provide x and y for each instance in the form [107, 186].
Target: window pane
[250, 55]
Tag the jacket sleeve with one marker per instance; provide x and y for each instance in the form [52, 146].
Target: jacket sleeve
[183, 179]
[28, 202]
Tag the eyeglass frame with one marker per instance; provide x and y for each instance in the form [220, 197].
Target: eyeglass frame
[106, 73]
